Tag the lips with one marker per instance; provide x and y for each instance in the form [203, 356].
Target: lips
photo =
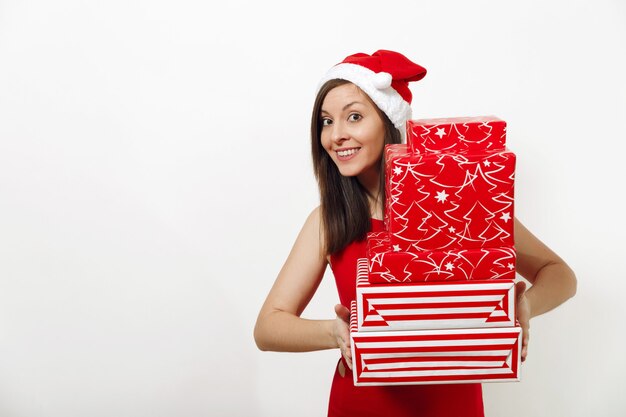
[347, 153]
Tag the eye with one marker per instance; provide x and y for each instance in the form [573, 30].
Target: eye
[355, 117]
[326, 122]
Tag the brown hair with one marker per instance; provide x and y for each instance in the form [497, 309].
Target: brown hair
[344, 206]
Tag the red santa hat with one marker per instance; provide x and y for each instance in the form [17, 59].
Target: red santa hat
[384, 76]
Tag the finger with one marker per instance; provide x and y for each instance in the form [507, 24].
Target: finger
[347, 354]
[344, 345]
[341, 345]
[348, 357]
[346, 351]
[525, 339]
[342, 312]
[525, 325]
[520, 288]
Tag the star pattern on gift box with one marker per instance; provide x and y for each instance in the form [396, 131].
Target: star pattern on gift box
[386, 266]
[459, 135]
[441, 196]
[451, 199]
[450, 188]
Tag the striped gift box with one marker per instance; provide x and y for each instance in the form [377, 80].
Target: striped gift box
[435, 305]
[434, 356]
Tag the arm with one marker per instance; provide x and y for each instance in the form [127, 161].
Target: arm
[553, 281]
[279, 326]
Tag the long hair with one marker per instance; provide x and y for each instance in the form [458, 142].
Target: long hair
[344, 206]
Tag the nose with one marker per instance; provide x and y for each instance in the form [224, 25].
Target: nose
[339, 133]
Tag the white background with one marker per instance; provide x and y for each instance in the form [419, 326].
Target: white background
[155, 170]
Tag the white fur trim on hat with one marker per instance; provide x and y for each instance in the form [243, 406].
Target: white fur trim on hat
[378, 87]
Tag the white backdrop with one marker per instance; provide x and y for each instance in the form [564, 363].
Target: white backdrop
[154, 172]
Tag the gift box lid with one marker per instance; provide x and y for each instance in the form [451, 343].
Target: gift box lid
[457, 134]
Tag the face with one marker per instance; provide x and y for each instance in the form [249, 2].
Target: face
[353, 133]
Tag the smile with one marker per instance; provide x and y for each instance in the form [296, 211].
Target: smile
[344, 154]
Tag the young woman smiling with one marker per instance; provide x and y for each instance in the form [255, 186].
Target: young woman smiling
[363, 104]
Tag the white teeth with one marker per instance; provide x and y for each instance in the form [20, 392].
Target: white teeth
[347, 152]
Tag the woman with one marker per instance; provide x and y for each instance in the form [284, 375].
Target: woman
[362, 105]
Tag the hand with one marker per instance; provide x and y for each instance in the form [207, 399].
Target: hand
[341, 332]
[523, 315]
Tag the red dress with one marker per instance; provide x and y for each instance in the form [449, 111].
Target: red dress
[346, 400]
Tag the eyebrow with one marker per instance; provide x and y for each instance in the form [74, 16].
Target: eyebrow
[344, 107]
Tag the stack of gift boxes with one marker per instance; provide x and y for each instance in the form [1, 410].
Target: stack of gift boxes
[435, 296]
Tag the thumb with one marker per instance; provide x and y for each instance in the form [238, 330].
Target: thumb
[342, 312]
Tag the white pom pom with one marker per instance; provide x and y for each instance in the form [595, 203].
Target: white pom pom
[382, 80]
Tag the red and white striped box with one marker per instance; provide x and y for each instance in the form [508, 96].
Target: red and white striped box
[434, 356]
[439, 305]
[388, 264]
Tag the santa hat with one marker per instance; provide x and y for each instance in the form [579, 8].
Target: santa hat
[384, 76]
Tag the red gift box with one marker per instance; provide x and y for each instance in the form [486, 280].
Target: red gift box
[388, 264]
[391, 152]
[457, 134]
[435, 297]
[434, 356]
[449, 201]
[440, 305]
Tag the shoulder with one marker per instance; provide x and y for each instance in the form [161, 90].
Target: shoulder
[307, 256]
[315, 215]
[314, 219]
[313, 231]
[313, 224]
